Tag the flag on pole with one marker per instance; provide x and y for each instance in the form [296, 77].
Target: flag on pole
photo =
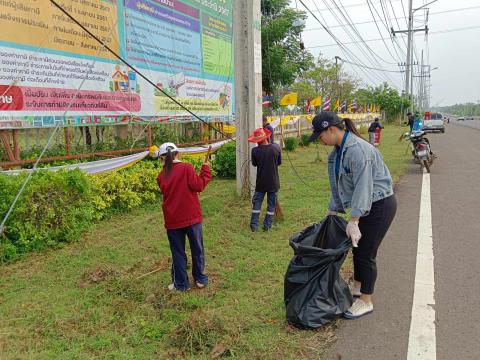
[353, 105]
[289, 99]
[343, 105]
[327, 105]
[337, 105]
[316, 102]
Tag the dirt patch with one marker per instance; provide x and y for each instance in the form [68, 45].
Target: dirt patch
[96, 276]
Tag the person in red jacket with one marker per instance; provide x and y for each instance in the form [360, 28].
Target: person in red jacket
[180, 185]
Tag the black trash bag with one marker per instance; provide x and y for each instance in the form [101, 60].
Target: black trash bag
[314, 292]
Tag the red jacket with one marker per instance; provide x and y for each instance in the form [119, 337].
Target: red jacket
[181, 207]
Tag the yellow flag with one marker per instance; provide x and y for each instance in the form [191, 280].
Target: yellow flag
[336, 106]
[289, 99]
[316, 102]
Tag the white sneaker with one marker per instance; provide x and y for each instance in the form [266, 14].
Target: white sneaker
[358, 309]
[172, 288]
[200, 285]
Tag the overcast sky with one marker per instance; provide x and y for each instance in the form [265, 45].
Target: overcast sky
[456, 53]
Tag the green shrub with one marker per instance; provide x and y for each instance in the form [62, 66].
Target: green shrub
[124, 190]
[55, 207]
[304, 140]
[225, 163]
[290, 143]
[197, 162]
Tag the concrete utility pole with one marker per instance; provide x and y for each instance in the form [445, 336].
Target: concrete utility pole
[409, 53]
[409, 65]
[248, 86]
[420, 95]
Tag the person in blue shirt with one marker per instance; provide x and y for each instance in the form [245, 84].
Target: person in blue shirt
[417, 122]
[359, 181]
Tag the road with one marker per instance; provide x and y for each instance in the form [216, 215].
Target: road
[390, 332]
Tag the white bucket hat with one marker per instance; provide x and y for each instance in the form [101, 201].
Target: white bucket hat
[164, 148]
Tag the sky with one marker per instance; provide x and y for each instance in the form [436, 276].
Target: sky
[455, 54]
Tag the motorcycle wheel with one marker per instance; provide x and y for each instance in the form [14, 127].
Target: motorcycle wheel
[426, 163]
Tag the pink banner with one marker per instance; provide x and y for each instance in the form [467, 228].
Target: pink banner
[51, 99]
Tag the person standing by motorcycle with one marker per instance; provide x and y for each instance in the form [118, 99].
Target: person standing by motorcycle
[359, 180]
[417, 123]
[410, 120]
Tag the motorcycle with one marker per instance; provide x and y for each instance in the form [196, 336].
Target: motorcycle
[421, 149]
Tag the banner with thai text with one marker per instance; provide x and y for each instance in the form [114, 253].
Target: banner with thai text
[53, 72]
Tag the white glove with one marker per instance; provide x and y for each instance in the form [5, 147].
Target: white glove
[331, 212]
[353, 232]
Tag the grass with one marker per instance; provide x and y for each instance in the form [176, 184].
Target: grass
[85, 302]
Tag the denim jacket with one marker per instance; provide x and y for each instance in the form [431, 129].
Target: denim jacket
[363, 179]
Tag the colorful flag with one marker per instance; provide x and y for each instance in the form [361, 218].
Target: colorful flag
[327, 104]
[267, 100]
[337, 105]
[308, 105]
[343, 105]
[289, 99]
[353, 105]
[316, 102]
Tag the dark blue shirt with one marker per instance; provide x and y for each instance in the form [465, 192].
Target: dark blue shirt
[338, 157]
[267, 158]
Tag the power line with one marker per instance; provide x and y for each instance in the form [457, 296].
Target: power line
[379, 39]
[347, 31]
[342, 47]
[402, 17]
[344, 50]
[350, 21]
[371, 68]
[376, 24]
[351, 5]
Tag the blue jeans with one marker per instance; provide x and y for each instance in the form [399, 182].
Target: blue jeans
[257, 201]
[176, 238]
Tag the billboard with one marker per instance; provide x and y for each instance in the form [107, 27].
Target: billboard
[53, 72]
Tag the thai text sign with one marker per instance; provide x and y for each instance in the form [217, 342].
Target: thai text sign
[53, 71]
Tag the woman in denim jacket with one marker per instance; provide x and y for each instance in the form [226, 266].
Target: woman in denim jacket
[359, 181]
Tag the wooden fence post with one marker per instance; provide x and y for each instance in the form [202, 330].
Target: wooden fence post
[16, 145]
[6, 144]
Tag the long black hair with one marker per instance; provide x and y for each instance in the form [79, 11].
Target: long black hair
[350, 126]
[169, 157]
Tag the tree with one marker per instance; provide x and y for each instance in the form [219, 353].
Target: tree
[325, 78]
[386, 97]
[283, 55]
